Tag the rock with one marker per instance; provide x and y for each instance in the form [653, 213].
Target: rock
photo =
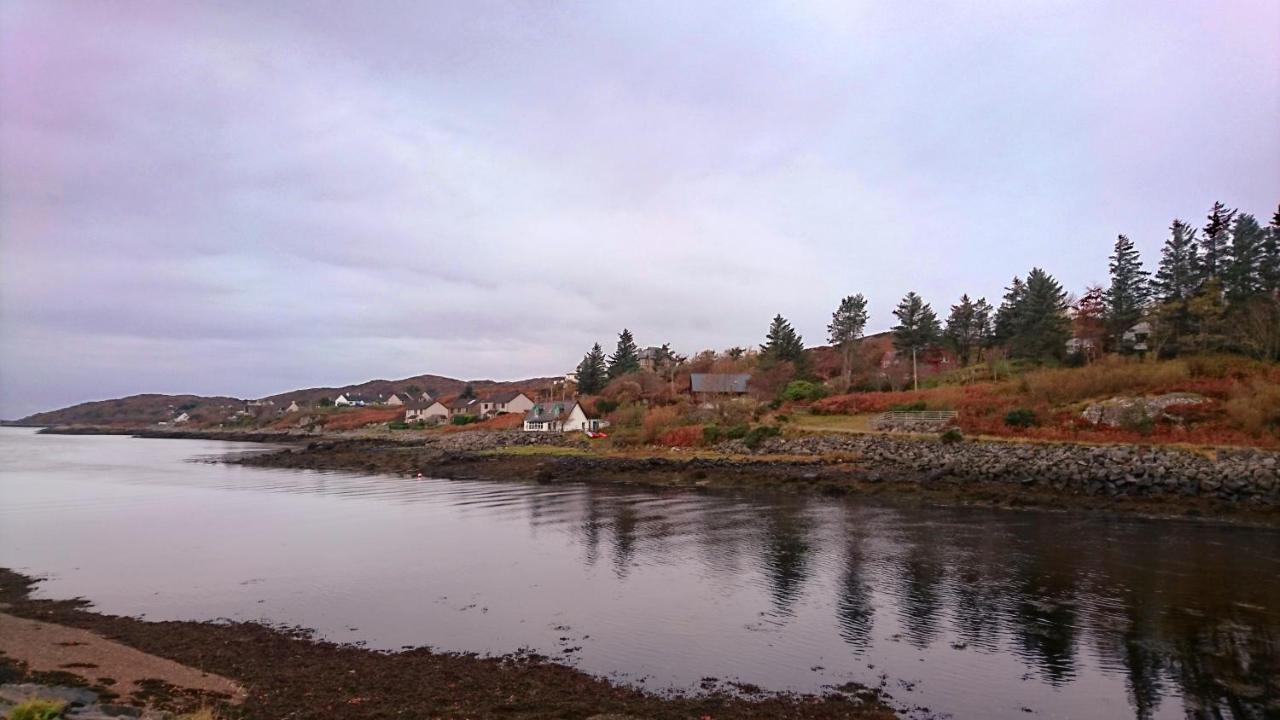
[1133, 411]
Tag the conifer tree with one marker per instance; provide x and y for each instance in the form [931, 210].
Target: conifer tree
[1269, 263]
[626, 357]
[847, 324]
[1006, 320]
[1130, 290]
[1043, 326]
[1215, 244]
[916, 330]
[468, 392]
[968, 328]
[782, 343]
[592, 372]
[1176, 279]
[1242, 278]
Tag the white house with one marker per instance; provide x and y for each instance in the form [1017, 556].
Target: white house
[352, 399]
[427, 412]
[398, 399]
[293, 407]
[561, 416]
[181, 419]
[509, 401]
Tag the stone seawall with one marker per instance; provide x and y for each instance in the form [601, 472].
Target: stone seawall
[1238, 475]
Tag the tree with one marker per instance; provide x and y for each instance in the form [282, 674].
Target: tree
[968, 328]
[1215, 246]
[592, 373]
[325, 402]
[782, 344]
[735, 353]
[847, 324]
[1269, 263]
[1130, 290]
[1089, 323]
[626, 357]
[1205, 312]
[1176, 280]
[1042, 324]
[1007, 321]
[1242, 278]
[1257, 327]
[468, 392]
[916, 330]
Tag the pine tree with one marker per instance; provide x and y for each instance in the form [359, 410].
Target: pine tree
[468, 392]
[1176, 279]
[1243, 277]
[916, 330]
[847, 324]
[1215, 245]
[626, 357]
[1269, 263]
[968, 328]
[782, 343]
[592, 372]
[1042, 321]
[1006, 320]
[1130, 290]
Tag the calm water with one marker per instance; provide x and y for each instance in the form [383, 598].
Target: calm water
[969, 612]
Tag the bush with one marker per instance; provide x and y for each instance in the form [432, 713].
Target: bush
[398, 425]
[1020, 418]
[952, 436]
[782, 418]
[625, 437]
[1255, 407]
[605, 406]
[804, 390]
[737, 432]
[464, 419]
[756, 436]
[910, 407]
[710, 434]
[683, 436]
[38, 710]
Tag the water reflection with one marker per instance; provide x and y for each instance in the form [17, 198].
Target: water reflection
[1081, 615]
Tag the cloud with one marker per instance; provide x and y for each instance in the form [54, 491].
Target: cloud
[243, 198]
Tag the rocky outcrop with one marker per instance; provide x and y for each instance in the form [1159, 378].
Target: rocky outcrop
[1239, 475]
[1134, 411]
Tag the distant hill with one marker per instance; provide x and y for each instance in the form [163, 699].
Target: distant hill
[139, 410]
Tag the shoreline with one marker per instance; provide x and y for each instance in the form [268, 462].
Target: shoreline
[1234, 485]
[287, 672]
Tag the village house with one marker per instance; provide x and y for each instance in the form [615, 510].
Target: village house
[183, 418]
[650, 358]
[464, 406]
[561, 416]
[293, 407]
[427, 412]
[353, 400]
[398, 399]
[708, 387]
[508, 401]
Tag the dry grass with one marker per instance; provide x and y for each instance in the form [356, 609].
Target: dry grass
[1254, 407]
[38, 709]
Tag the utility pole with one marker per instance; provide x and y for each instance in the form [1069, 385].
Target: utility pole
[915, 379]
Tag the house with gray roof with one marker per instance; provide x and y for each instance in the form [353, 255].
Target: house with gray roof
[709, 385]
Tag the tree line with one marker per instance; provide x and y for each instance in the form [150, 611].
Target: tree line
[1216, 288]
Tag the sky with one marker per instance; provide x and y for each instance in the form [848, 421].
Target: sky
[244, 198]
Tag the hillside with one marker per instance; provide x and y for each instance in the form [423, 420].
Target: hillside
[148, 409]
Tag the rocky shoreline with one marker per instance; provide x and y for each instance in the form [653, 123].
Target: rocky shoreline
[286, 673]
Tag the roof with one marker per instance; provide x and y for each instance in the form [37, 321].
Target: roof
[649, 353]
[719, 382]
[461, 403]
[357, 397]
[421, 404]
[549, 411]
[503, 396]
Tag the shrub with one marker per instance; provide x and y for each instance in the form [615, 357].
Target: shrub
[38, 710]
[464, 419]
[605, 406]
[803, 390]
[910, 407]
[737, 432]
[756, 436]
[398, 425]
[782, 418]
[1020, 418]
[683, 436]
[657, 422]
[625, 437]
[711, 434]
[1254, 407]
[952, 436]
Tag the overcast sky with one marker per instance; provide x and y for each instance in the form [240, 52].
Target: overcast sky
[248, 197]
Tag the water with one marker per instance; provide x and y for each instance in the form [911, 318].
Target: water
[969, 612]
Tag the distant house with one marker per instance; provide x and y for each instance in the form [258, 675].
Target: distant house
[182, 419]
[293, 407]
[561, 416]
[650, 358]
[427, 412]
[1137, 337]
[465, 406]
[707, 386]
[500, 403]
[353, 400]
[398, 398]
